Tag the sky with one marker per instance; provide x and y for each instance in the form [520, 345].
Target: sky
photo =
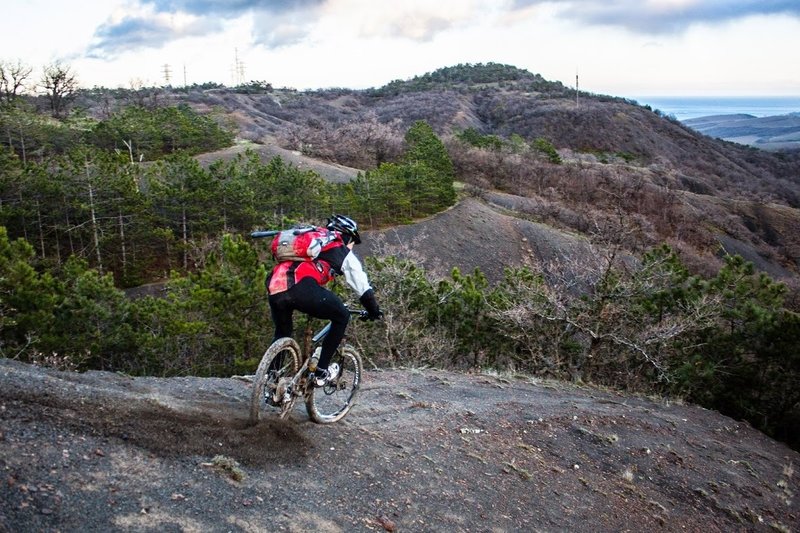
[624, 48]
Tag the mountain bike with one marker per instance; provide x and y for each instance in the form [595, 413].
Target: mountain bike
[283, 376]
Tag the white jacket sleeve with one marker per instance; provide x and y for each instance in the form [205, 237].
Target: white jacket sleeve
[354, 274]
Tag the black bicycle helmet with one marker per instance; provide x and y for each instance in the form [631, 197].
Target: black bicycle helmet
[346, 226]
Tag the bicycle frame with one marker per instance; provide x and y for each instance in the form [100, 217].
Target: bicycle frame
[298, 385]
[323, 332]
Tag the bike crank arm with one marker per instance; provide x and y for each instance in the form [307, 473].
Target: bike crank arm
[293, 389]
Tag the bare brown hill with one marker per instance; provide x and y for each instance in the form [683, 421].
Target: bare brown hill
[422, 450]
[474, 234]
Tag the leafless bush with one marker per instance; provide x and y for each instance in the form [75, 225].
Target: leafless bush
[368, 143]
[587, 322]
[364, 143]
[63, 362]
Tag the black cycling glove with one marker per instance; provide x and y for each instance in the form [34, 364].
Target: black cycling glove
[371, 305]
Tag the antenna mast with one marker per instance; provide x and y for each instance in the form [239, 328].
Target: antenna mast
[576, 88]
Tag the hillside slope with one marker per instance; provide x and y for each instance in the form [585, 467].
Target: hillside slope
[476, 234]
[421, 451]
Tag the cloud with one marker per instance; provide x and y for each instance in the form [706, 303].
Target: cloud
[146, 31]
[233, 8]
[280, 23]
[664, 16]
[420, 28]
[413, 20]
[159, 22]
[417, 25]
[277, 29]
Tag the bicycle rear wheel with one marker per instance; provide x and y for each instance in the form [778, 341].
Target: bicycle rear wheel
[332, 402]
[280, 363]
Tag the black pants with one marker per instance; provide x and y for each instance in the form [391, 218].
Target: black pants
[309, 298]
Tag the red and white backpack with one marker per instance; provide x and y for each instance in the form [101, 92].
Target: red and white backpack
[301, 244]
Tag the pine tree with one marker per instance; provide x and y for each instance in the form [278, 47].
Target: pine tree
[425, 148]
[27, 299]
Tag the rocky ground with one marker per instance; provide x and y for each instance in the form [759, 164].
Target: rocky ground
[422, 450]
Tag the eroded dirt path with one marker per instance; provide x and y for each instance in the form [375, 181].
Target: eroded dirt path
[421, 451]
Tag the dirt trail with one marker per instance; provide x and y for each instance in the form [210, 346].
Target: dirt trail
[421, 451]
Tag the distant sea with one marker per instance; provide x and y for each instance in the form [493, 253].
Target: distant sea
[686, 107]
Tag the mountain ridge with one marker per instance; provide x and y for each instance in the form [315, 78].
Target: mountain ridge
[776, 132]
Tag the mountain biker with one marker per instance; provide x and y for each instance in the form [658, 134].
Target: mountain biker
[298, 285]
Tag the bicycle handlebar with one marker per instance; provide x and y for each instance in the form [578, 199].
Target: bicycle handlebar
[264, 233]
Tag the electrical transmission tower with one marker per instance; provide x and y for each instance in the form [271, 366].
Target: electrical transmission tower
[167, 73]
[238, 69]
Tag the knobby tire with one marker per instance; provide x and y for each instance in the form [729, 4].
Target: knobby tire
[329, 404]
[286, 347]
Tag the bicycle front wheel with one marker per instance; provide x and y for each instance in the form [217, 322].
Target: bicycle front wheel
[278, 366]
[332, 402]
